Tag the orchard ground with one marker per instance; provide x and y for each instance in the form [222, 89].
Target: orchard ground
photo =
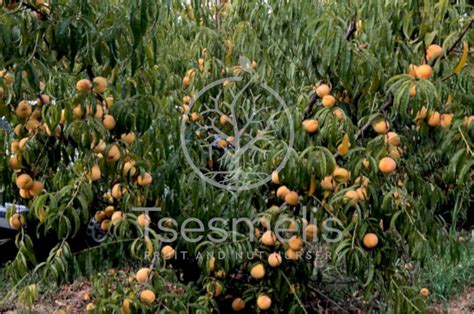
[451, 285]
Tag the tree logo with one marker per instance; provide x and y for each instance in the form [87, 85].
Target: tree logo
[239, 130]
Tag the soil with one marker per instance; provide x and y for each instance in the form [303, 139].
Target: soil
[463, 303]
[72, 298]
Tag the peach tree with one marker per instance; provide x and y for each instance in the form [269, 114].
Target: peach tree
[101, 96]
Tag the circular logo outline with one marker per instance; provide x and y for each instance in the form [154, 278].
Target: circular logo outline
[236, 188]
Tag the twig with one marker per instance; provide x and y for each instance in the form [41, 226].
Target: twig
[460, 37]
[329, 299]
[453, 47]
[294, 292]
[448, 77]
[387, 104]
[13, 290]
[425, 57]
[40, 155]
[461, 51]
[218, 16]
[351, 29]
[102, 245]
[309, 108]
[405, 297]
[152, 264]
[340, 282]
[43, 16]
[468, 147]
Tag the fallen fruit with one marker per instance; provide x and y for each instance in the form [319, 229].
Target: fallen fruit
[425, 292]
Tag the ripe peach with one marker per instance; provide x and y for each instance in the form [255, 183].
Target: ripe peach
[434, 119]
[282, 192]
[83, 85]
[424, 71]
[387, 165]
[274, 259]
[433, 52]
[323, 90]
[328, 183]
[328, 101]
[238, 304]
[100, 84]
[446, 119]
[370, 240]
[392, 138]
[264, 302]
[310, 125]
[291, 198]
[257, 271]
[381, 126]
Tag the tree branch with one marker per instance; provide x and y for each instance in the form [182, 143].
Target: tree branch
[387, 104]
[309, 107]
[328, 298]
[425, 57]
[351, 28]
[218, 16]
[448, 77]
[453, 47]
[43, 16]
[460, 37]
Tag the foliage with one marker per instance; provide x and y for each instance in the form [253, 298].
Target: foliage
[446, 279]
[144, 49]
